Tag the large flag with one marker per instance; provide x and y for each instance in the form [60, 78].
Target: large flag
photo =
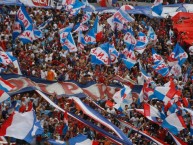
[174, 123]
[23, 18]
[44, 24]
[69, 44]
[6, 58]
[156, 57]
[16, 29]
[75, 8]
[86, 17]
[123, 17]
[130, 59]
[20, 126]
[151, 34]
[80, 140]
[90, 37]
[180, 54]
[27, 36]
[3, 96]
[129, 38]
[64, 33]
[119, 96]
[127, 7]
[5, 85]
[113, 54]
[99, 118]
[100, 55]
[151, 111]
[164, 94]
[157, 9]
[162, 69]
[142, 42]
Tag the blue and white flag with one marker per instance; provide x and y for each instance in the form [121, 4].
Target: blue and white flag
[86, 17]
[151, 34]
[157, 9]
[81, 41]
[44, 24]
[100, 55]
[162, 69]
[56, 142]
[130, 59]
[75, 8]
[90, 37]
[23, 18]
[37, 33]
[69, 44]
[147, 77]
[114, 54]
[129, 38]
[6, 58]
[80, 27]
[117, 24]
[64, 33]
[142, 42]
[27, 36]
[180, 54]
[156, 57]
[123, 17]
[16, 29]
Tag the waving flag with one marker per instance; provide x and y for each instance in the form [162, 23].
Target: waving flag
[37, 33]
[64, 33]
[176, 70]
[180, 54]
[164, 94]
[23, 18]
[151, 111]
[80, 140]
[172, 109]
[147, 92]
[56, 142]
[156, 57]
[157, 9]
[99, 118]
[162, 69]
[75, 7]
[27, 36]
[24, 122]
[3, 96]
[177, 140]
[142, 42]
[81, 41]
[44, 24]
[6, 58]
[147, 78]
[5, 85]
[106, 3]
[151, 34]
[69, 44]
[81, 27]
[100, 55]
[127, 7]
[123, 17]
[16, 29]
[113, 54]
[86, 17]
[119, 96]
[174, 123]
[130, 59]
[90, 37]
[129, 38]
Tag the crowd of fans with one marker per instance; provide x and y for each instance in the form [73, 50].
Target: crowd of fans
[45, 59]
